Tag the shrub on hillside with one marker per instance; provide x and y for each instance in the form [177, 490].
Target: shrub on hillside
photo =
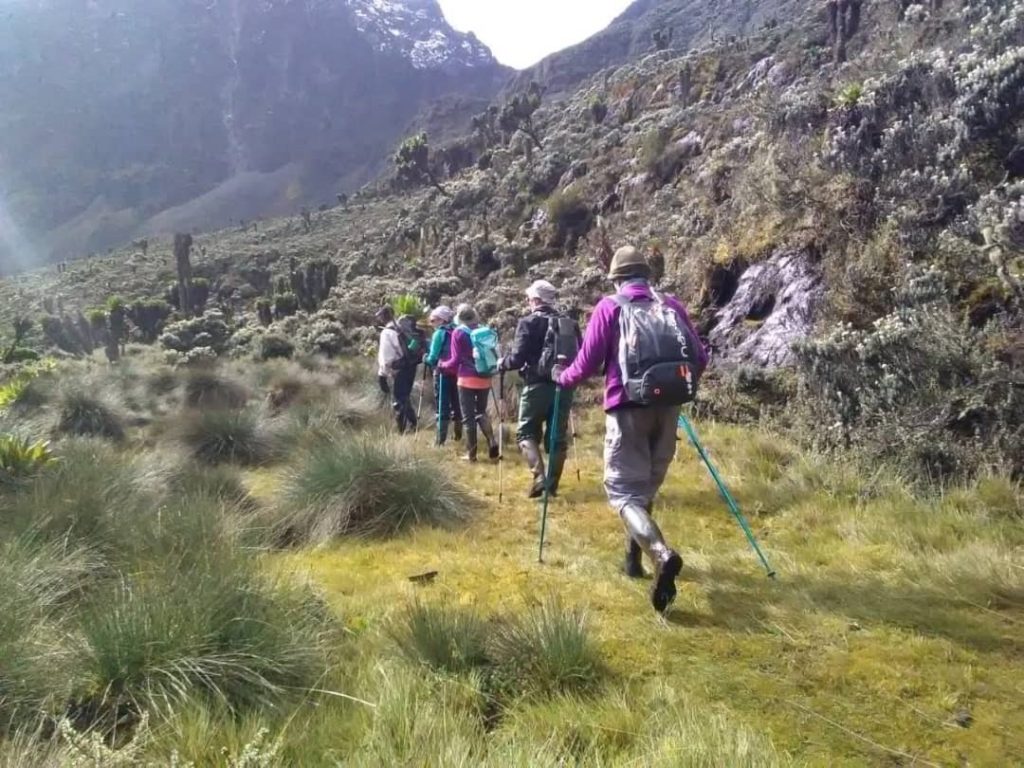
[360, 486]
[570, 215]
[86, 415]
[660, 158]
[285, 305]
[920, 388]
[148, 316]
[274, 347]
[210, 331]
[22, 355]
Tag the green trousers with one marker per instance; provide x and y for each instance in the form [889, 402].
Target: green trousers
[536, 415]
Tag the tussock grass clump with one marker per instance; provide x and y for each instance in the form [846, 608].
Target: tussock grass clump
[85, 415]
[652, 726]
[221, 435]
[85, 497]
[547, 651]
[219, 481]
[309, 424]
[214, 630]
[443, 638]
[162, 382]
[420, 721]
[360, 486]
[39, 581]
[205, 388]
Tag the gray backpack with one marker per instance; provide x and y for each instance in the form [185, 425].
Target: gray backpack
[658, 353]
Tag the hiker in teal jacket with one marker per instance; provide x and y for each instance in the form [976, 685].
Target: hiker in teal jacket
[446, 393]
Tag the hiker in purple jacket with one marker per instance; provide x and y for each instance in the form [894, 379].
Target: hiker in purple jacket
[640, 440]
[474, 388]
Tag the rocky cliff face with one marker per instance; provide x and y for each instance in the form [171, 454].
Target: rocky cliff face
[112, 116]
[647, 25]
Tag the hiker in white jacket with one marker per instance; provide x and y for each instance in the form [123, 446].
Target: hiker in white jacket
[393, 362]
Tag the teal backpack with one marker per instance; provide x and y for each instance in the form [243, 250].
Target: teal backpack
[485, 348]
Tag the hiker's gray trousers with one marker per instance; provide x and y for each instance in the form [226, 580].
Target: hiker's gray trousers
[639, 445]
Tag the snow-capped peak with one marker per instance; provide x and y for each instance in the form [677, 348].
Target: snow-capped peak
[418, 30]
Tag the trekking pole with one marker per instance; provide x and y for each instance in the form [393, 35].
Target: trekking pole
[729, 500]
[423, 389]
[501, 438]
[575, 447]
[550, 474]
[440, 405]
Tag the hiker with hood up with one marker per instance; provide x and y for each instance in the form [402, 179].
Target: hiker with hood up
[398, 358]
[542, 337]
[652, 357]
[446, 389]
[474, 365]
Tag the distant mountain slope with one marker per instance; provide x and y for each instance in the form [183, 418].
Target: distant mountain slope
[106, 107]
[691, 23]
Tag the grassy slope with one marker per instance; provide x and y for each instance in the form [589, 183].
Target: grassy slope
[891, 617]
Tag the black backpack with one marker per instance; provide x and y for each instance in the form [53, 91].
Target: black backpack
[561, 344]
[413, 340]
[658, 353]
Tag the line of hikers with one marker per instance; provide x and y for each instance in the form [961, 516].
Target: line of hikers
[641, 340]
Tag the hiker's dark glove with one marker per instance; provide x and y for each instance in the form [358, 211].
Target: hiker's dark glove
[383, 382]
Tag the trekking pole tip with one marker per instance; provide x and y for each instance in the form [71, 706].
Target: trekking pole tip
[772, 575]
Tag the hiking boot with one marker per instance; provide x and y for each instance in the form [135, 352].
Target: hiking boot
[633, 566]
[537, 489]
[535, 461]
[666, 568]
[494, 453]
[471, 458]
[642, 529]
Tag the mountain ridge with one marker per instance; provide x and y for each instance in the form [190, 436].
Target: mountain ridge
[113, 117]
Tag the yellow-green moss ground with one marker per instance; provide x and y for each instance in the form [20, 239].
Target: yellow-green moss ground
[893, 635]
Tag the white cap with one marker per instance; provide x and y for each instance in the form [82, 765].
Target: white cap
[442, 313]
[542, 291]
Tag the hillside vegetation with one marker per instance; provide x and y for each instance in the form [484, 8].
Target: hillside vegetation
[854, 224]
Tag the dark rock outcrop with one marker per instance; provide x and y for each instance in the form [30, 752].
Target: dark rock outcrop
[773, 305]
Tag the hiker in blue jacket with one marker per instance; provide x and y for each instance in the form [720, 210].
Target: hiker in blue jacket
[446, 386]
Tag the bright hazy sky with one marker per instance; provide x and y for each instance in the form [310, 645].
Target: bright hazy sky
[522, 32]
